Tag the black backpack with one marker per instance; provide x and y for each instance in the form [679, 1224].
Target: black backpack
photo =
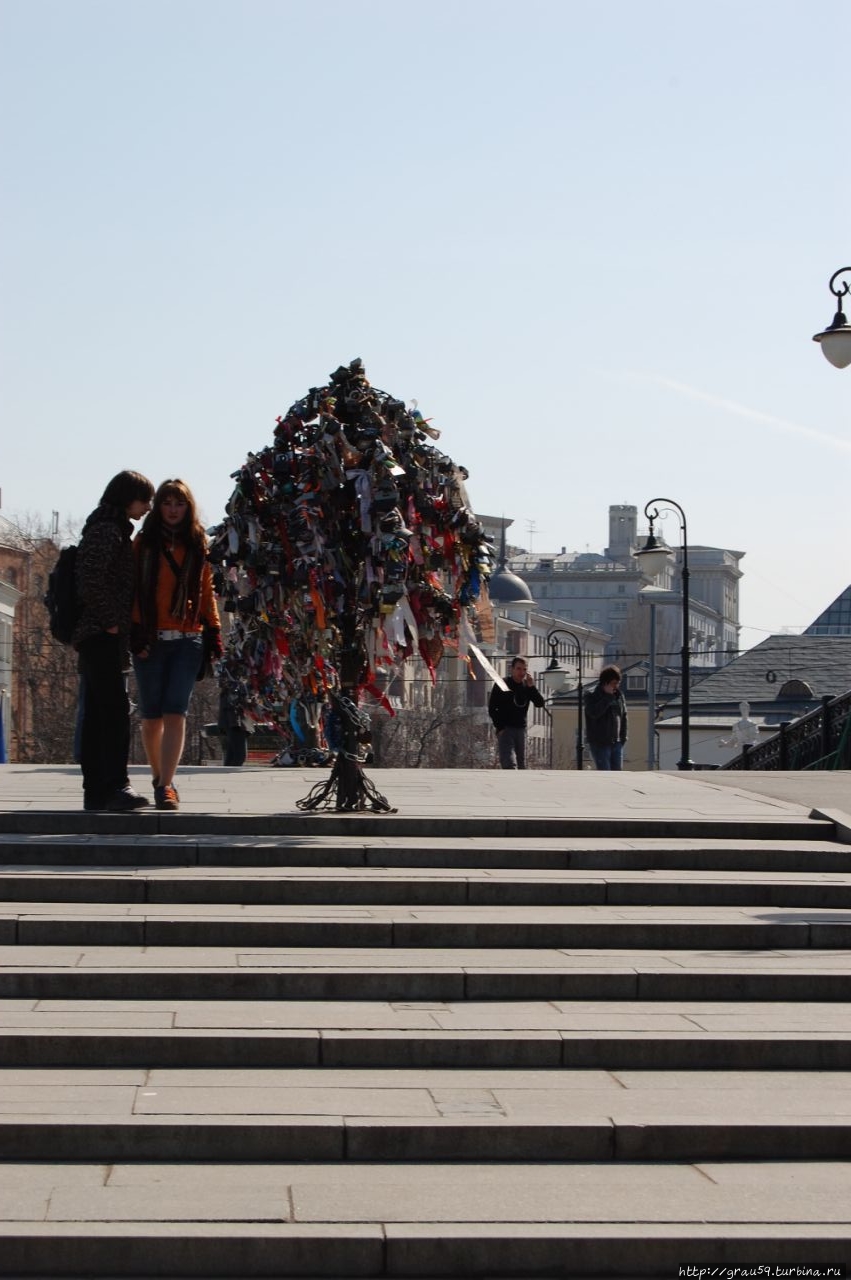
[63, 606]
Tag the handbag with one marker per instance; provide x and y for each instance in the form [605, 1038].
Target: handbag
[211, 647]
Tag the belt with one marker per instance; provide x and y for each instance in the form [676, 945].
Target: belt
[174, 635]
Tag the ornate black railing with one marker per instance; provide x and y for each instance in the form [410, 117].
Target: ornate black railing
[820, 740]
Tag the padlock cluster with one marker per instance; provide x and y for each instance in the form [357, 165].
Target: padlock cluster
[347, 547]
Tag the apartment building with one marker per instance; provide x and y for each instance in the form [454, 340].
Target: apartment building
[603, 589]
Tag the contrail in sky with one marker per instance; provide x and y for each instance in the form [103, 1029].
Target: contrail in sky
[743, 411]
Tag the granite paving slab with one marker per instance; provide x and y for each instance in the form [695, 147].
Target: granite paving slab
[441, 885]
[738, 1192]
[236, 853]
[199, 1249]
[626, 1250]
[459, 1137]
[508, 927]
[564, 1016]
[475, 959]
[814, 1192]
[57, 787]
[754, 1095]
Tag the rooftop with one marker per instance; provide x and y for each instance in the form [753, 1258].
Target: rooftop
[821, 662]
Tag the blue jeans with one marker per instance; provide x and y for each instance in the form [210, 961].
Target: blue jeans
[166, 678]
[511, 744]
[608, 757]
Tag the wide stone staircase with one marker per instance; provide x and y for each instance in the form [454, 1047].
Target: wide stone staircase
[388, 1046]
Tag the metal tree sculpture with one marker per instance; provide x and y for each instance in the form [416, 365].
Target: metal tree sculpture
[348, 546]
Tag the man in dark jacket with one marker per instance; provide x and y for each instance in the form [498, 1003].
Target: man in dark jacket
[508, 709]
[605, 719]
[104, 573]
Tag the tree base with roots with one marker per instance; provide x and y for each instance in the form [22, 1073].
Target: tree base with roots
[348, 790]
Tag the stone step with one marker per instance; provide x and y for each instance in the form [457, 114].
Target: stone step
[458, 825]
[456, 887]
[414, 974]
[362, 1034]
[242, 1116]
[277, 1220]
[816, 853]
[615, 1041]
[669, 927]
[244, 1139]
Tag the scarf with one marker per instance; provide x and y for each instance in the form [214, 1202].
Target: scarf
[186, 596]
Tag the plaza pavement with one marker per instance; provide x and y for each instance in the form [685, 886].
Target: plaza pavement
[258, 790]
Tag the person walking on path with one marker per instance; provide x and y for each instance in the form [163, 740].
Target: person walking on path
[176, 628]
[605, 720]
[104, 584]
[508, 709]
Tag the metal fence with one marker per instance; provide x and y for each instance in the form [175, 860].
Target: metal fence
[819, 740]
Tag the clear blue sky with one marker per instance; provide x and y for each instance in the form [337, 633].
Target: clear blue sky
[592, 240]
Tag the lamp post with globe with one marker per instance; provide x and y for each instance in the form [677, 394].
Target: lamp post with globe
[653, 557]
[556, 676]
[835, 340]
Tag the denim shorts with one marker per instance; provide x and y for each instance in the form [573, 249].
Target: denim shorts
[166, 678]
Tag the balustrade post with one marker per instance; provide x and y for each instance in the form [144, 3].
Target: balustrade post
[825, 725]
[784, 746]
[746, 751]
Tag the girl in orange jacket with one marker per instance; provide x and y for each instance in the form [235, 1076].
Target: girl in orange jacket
[173, 609]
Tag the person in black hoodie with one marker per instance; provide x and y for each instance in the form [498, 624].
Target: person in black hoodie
[605, 718]
[104, 578]
[508, 709]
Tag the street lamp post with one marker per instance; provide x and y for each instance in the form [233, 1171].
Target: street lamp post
[555, 673]
[835, 340]
[653, 557]
[654, 596]
[644, 594]
[651, 693]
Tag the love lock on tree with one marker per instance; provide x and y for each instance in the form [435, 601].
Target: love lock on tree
[347, 548]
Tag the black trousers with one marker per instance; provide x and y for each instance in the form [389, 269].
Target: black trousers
[105, 733]
[236, 747]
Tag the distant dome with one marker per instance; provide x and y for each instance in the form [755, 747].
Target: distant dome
[504, 587]
[796, 689]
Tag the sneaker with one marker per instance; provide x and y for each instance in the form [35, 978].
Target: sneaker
[125, 801]
[166, 798]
